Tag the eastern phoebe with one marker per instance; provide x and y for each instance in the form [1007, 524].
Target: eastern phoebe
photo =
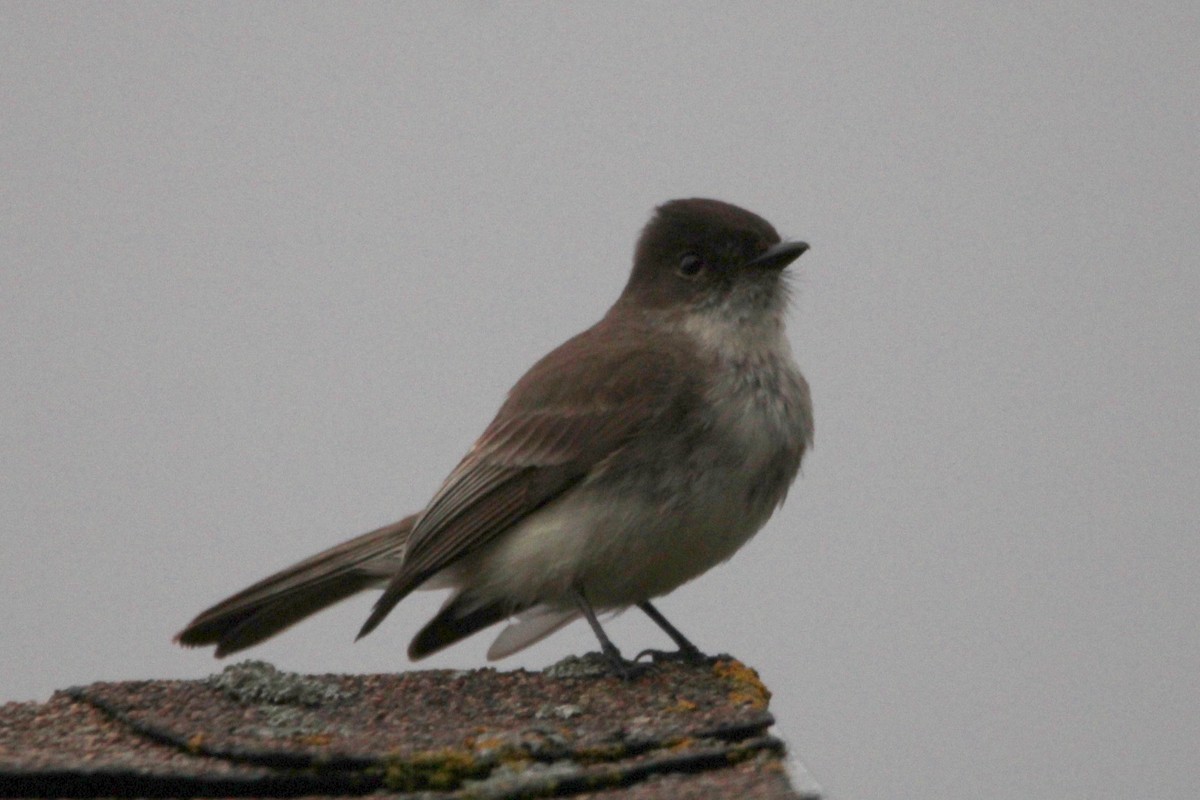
[629, 460]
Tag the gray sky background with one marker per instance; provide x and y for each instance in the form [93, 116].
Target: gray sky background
[266, 271]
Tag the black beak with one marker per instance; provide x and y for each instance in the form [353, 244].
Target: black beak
[779, 256]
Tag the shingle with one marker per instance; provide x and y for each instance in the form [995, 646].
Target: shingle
[677, 731]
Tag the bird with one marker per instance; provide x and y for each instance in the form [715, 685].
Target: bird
[626, 462]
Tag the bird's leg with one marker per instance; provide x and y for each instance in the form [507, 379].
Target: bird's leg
[623, 668]
[687, 651]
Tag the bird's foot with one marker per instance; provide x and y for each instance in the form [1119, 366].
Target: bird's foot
[621, 667]
[684, 655]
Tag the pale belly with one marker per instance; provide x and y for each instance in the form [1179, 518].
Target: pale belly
[627, 540]
[660, 516]
[620, 551]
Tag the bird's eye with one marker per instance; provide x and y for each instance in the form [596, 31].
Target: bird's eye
[690, 265]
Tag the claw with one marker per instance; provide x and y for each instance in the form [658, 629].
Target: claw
[682, 655]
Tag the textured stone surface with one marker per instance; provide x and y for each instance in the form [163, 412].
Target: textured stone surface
[676, 731]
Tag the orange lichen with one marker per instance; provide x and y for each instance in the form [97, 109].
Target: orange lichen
[684, 743]
[748, 687]
[315, 739]
[682, 705]
[439, 770]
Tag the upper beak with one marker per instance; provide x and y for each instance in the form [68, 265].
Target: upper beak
[779, 256]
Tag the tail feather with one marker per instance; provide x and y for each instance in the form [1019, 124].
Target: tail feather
[283, 599]
[459, 618]
[529, 629]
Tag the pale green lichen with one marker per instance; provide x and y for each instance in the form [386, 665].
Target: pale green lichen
[257, 682]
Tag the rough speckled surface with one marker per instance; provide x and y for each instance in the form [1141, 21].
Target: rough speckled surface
[677, 731]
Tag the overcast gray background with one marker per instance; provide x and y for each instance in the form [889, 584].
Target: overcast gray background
[267, 270]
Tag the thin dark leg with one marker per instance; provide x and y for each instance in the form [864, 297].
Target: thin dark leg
[610, 650]
[625, 669]
[687, 650]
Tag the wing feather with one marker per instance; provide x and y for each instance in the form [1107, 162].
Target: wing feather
[575, 408]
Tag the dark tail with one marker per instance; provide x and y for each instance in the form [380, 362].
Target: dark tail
[275, 603]
[457, 620]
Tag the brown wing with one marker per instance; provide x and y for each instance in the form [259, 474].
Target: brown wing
[577, 406]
